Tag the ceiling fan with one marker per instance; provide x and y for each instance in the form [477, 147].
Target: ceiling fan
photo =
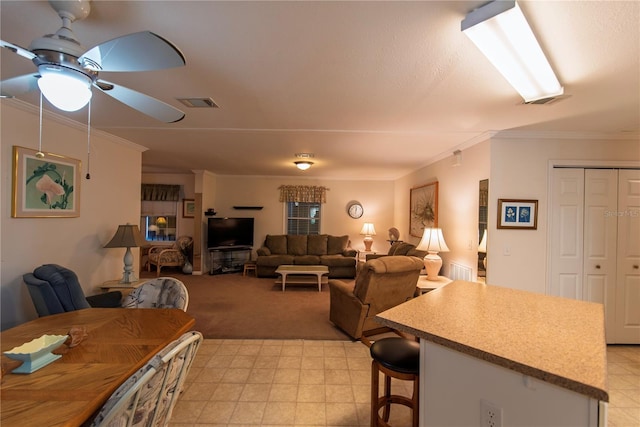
[67, 71]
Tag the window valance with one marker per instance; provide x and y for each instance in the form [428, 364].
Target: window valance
[160, 193]
[303, 193]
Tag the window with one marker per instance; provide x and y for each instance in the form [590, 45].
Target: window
[158, 221]
[303, 218]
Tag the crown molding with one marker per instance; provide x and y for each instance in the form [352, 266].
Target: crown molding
[66, 121]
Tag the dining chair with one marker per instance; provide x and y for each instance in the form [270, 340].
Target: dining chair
[148, 397]
[161, 292]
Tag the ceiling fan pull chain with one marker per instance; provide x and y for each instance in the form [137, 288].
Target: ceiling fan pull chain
[89, 140]
[40, 154]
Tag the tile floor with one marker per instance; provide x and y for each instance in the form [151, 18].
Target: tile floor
[326, 383]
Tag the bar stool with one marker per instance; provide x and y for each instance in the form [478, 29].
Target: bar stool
[396, 358]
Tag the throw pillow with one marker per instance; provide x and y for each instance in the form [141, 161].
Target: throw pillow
[336, 244]
[317, 244]
[276, 244]
[296, 244]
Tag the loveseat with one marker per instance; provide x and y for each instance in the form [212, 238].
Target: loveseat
[400, 248]
[317, 249]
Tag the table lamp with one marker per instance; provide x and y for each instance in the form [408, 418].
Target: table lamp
[482, 248]
[368, 230]
[433, 242]
[127, 236]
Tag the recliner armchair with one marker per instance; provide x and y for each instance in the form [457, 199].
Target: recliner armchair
[56, 289]
[382, 283]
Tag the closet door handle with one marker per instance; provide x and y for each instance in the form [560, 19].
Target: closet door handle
[597, 266]
[635, 266]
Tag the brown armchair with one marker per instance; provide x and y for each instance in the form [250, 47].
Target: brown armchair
[170, 256]
[382, 284]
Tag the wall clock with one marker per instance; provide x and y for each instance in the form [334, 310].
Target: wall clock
[355, 210]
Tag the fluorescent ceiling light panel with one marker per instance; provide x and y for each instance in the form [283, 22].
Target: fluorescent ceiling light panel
[501, 32]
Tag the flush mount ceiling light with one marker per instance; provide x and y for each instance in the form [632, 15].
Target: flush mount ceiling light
[303, 165]
[501, 32]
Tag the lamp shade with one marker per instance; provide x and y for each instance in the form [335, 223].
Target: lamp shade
[482, 247]
[432, 241]
[127, 236]
[502, 33]
[368, 229]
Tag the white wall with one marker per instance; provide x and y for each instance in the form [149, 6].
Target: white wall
[110, 198]
[520, 170]
[457, 203]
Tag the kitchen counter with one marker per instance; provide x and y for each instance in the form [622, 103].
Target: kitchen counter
[555, 340]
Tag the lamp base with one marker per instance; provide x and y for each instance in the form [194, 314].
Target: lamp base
[432, 263]
[368, 241]
[127, 275]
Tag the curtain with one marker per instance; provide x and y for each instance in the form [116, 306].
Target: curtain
[303, 193]
[160, 193]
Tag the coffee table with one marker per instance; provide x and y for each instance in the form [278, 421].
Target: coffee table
[304, 271]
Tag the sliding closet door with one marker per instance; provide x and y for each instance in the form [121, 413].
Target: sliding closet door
[600, 241]
[627, 319]
[566, 233]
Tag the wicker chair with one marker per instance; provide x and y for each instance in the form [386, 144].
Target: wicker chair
[173, 256]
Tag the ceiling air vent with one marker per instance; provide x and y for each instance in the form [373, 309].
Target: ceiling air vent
[547, 101]
[199, 102]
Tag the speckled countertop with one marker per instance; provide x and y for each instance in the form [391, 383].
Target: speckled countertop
[557, 340]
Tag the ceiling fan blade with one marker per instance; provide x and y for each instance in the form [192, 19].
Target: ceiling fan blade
[143, 51]
[25, 53]
[145, 104]
[18, 85]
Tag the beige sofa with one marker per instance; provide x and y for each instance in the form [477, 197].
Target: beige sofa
[321, 249]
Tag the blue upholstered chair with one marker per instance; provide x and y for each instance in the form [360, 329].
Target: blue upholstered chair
[56, 289]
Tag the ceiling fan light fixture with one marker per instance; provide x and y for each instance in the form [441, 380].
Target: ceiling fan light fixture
[67, 90]
[303, 165]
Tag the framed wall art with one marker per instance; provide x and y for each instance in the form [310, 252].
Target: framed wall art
[518, 214]
[47, 186]
[188, 208]
[423, 208]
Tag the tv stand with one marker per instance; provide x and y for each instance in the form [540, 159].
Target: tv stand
[228, 259]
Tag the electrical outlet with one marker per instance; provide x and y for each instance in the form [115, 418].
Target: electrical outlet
[490, 414]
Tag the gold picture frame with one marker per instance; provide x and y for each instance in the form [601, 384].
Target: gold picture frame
[423, 208]
[44, 187]
[518, 214]
[188, 208]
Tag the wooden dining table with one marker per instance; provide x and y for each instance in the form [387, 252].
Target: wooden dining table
[70, 390]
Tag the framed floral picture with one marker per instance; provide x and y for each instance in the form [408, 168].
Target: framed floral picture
[45, 185]
[518, 214]
[188, 208]
[423, 208]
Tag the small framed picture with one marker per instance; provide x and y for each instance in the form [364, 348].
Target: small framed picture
[188, 208]
[518, 214]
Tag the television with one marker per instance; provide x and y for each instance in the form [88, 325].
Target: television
[228, 232]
